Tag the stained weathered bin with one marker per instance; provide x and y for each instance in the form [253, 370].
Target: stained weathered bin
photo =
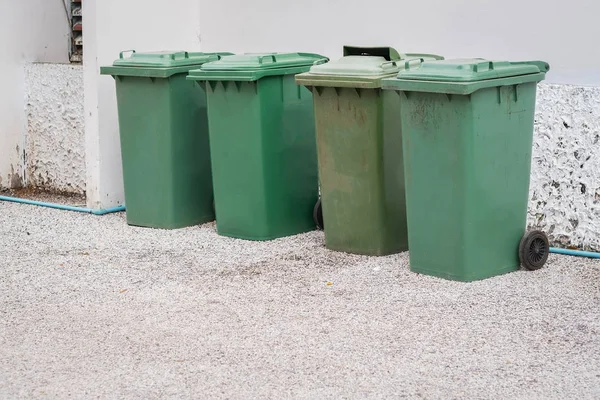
[467, 128]
[360, 150]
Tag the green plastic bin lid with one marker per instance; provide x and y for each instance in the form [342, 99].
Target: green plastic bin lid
[164, 59]
[253, 66]
[467, 70]
[158, 63]
[361, 67]
[464, 76]
[357, 66]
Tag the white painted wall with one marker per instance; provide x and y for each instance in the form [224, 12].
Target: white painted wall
[33, 30]
[11, 100]
[112, 26]
[563, 33]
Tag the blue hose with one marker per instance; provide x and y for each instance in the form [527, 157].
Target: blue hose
[576, 253]
[63, 207]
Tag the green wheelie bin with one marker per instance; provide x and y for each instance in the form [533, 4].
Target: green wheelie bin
[164, 139]
[467, 129]
[262, 144]
[360, 151]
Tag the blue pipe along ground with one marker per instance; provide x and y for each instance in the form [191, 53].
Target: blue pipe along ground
[62, 206]
[576, 253]
[566, 252]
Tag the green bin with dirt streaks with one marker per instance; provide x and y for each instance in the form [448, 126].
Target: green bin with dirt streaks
[467, 130]
[360, 150]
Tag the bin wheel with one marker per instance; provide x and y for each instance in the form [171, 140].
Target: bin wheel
[533, 250]
[318, 215]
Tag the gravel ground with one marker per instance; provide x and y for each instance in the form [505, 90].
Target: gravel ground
[93, 308]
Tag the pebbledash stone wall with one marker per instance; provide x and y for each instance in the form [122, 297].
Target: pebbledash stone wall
[55, 135]
[565, 184]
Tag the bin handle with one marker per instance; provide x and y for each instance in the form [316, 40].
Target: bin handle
[321, 61]
[271, 56]
[185, 55]
[419, 55]
[126, 51]
[488, 64]
[407, 63]
[542, 65]
[385, 64]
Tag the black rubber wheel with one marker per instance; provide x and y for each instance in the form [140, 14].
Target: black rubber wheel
[318, 215]
[533, 250]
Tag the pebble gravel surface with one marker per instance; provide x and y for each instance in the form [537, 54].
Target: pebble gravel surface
[93, 308]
